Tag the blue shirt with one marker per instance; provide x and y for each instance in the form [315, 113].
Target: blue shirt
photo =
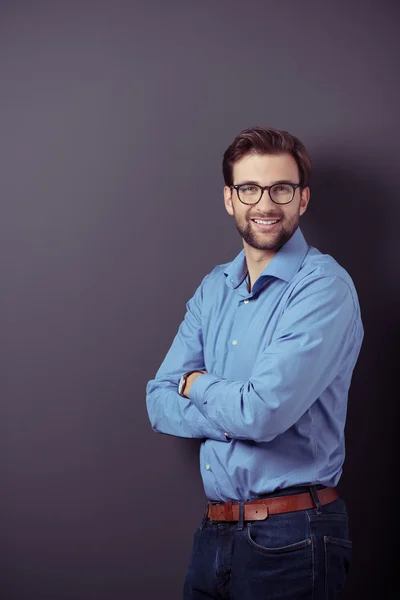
[271, 410]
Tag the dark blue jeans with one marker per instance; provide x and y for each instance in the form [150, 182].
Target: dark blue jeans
[299, 555]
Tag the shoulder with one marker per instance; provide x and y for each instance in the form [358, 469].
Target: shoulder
[208, 285]
[216, 276]
[322, 272]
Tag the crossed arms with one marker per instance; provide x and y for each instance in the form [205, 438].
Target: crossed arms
[306, 353]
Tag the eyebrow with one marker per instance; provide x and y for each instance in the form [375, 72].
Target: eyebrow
[259, 184]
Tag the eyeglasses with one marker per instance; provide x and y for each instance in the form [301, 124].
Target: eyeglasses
[280, 193]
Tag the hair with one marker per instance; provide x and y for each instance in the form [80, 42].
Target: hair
[257, 140]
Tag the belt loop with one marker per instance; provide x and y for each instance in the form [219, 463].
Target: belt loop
[241, 516]
[205, 518]
[314, 494]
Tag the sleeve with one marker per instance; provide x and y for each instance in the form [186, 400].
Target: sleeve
[309, 345]
[169, 412]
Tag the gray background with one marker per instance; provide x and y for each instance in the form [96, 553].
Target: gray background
[113, 120]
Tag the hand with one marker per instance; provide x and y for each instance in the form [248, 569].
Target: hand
[189, 382]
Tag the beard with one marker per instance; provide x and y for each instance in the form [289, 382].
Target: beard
[272, 241]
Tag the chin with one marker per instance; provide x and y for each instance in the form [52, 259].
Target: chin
[266, 241]
[269, 247]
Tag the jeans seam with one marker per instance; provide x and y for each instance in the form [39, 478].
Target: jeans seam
[312, 553]
[216, 563]
[326, 571]
[217, 555]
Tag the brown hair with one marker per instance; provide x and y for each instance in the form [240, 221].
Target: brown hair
[257, 140]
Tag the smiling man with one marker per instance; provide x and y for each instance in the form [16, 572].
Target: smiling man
[260, 370]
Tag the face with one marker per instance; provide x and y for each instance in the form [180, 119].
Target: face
[266, 169]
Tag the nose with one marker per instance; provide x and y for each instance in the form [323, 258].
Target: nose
[265, 202]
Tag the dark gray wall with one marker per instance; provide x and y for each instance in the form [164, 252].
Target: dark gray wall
[113, 120]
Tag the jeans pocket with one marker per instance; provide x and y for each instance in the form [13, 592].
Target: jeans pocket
[277, 557]
[258, 543]
[337, 564]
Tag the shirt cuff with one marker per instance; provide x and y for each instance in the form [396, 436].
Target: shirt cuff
[198, 392]
[199, 389]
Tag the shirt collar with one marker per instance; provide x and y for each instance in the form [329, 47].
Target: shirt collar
[284, 264]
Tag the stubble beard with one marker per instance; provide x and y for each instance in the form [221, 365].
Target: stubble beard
[267, 241]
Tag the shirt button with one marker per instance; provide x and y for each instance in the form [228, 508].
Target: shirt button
[234, 342]
[208, 467]
[246, 301]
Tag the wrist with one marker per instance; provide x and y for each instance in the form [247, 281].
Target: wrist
[186, 382]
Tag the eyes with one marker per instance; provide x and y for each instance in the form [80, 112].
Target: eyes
[280, 193]
[281, 188]
[249, 189]
[255, 189]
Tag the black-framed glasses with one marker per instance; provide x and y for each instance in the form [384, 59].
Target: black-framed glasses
[280, 193]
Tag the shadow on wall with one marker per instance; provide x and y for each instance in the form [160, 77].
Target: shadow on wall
[349, 218]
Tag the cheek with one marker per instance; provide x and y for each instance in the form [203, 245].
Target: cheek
[238, 212]
[288, 214]
[293, 212]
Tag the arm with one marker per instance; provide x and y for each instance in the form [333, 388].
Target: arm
[305, 355]
[168, 411]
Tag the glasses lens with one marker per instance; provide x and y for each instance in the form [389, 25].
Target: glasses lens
[281, 193]
[249, 193]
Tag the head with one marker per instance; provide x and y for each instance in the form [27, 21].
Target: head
[265, 157]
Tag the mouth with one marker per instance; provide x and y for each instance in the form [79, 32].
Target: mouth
[265, 224]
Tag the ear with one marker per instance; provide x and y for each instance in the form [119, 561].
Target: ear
[228, 200]
[304, 200]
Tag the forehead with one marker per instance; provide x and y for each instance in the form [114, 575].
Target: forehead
[266, 168]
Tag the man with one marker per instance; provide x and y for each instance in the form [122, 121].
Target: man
[260, 369]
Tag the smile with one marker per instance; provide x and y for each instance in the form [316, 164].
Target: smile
[261, 222]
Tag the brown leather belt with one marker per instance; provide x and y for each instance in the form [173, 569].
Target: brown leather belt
[257, 510]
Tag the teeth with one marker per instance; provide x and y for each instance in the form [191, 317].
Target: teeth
[265, 222]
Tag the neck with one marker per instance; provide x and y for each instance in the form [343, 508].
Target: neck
[256, 261]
